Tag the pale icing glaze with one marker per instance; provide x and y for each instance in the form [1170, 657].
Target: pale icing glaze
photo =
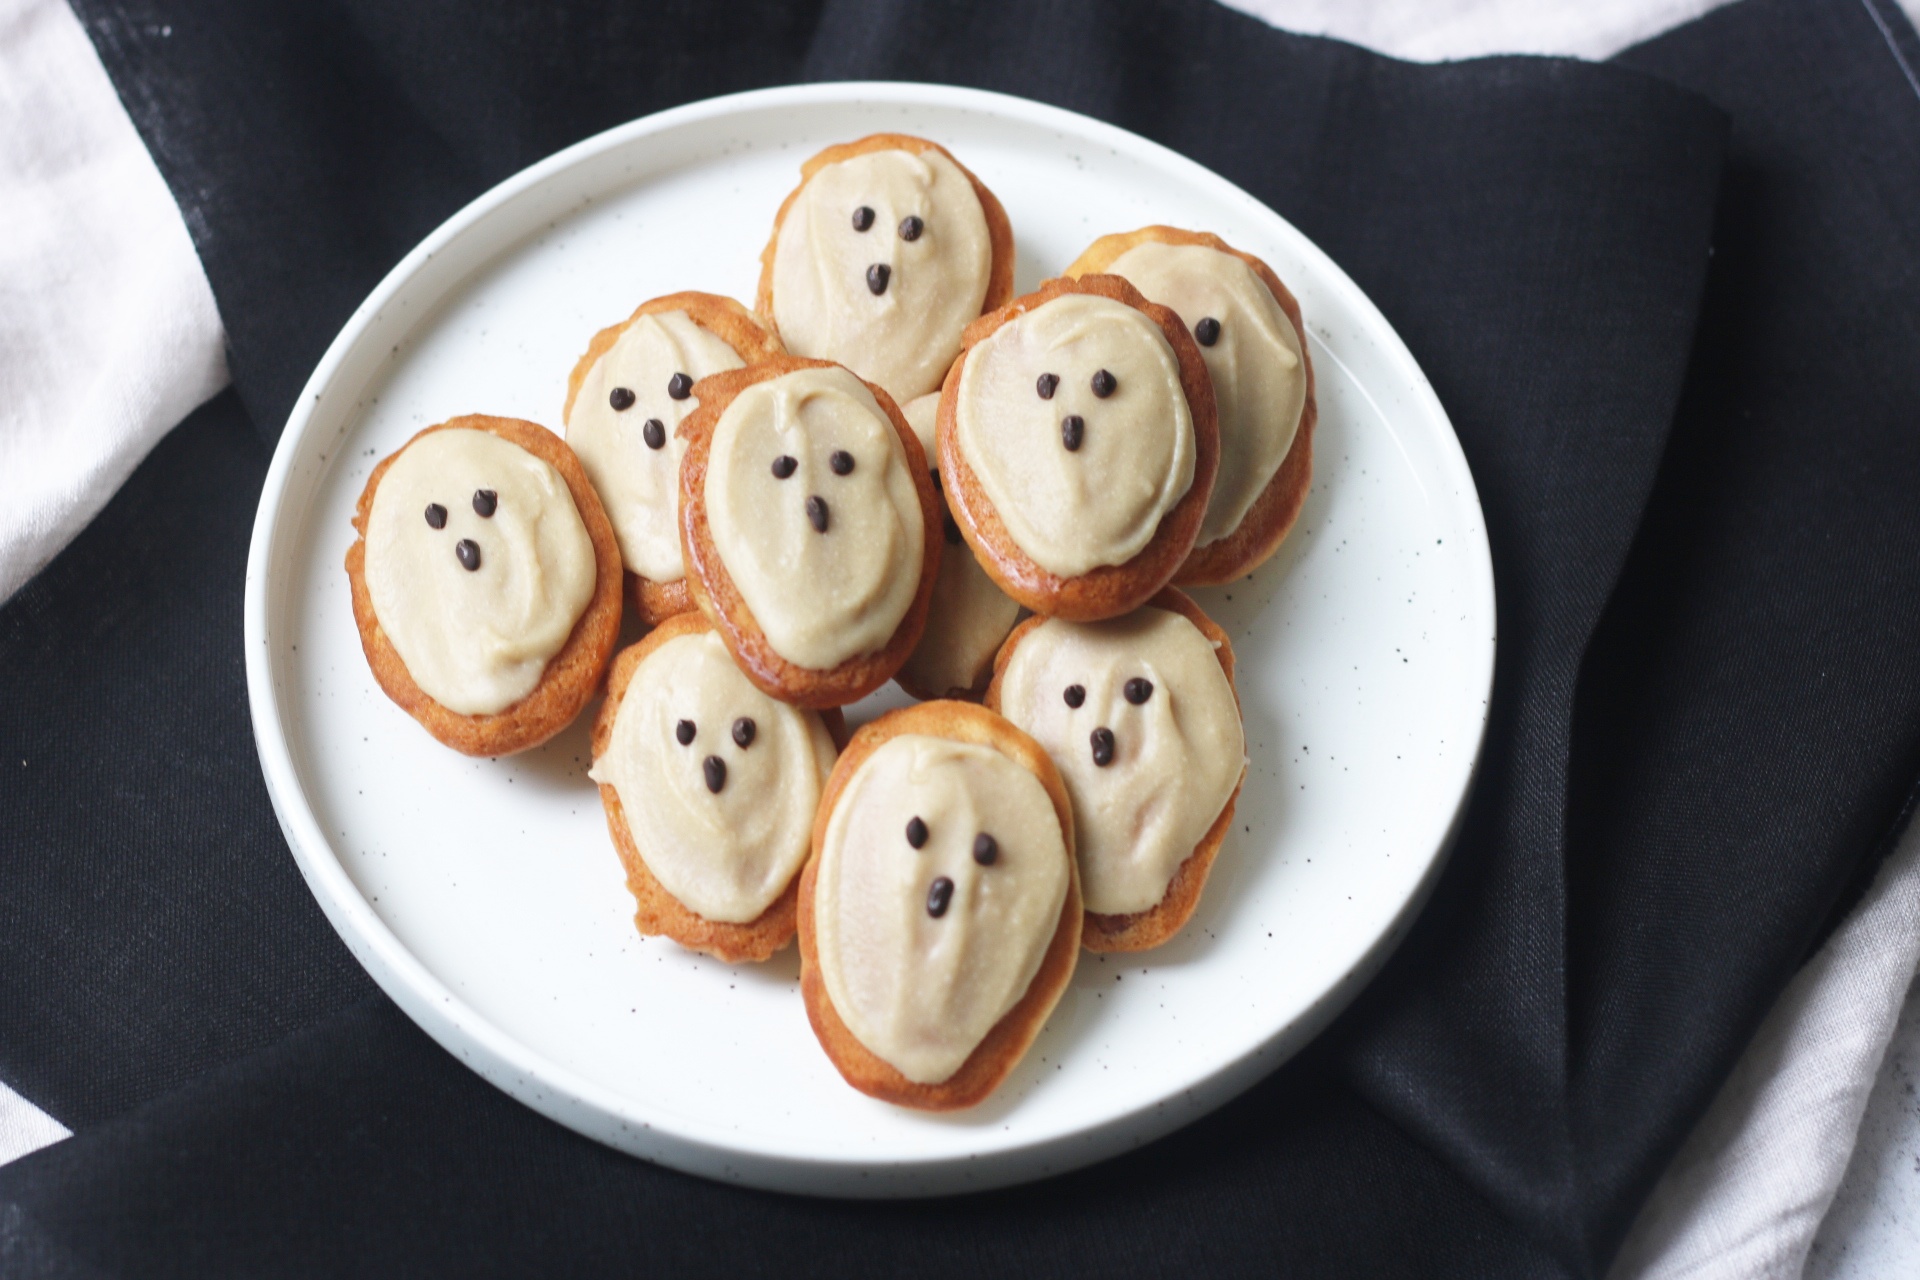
[1177, 756]
[920, 992]
[969, 616]
[820, 598]
[905, 337]
[638, 485]
[1259, 382]
[476, 641]
[726, 855]
[1072, 511]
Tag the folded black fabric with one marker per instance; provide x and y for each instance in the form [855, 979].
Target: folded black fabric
[1685, 773]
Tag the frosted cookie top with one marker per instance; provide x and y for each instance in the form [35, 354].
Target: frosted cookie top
[478, 566]
[622, 422]
[1140, 718]
[815, 515]
[879, 263]
[717, 781]
[941, 878]
[1073, 419]
[969, 616]
[1253, 355]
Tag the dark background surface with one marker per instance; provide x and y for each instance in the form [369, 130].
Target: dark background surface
[1696, 472]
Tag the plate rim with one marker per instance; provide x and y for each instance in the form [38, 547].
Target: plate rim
[594, 1110]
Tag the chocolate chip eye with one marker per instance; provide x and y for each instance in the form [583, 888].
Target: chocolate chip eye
[683, 732]
[877, 276]
[621, 398]
[1047, 384]
[485, 503]
[1073, 432]
[939, 895]
[862, 218]
[654, 432]
[841, 462]
[467, 552]
[986, 850]
[817, 513]
[1138, 690]
[783, 466]
[1104, 384]
[436, 516]
[916, 832]
[1207, 331]
[952, 530]
[715, 770]
[1102, 741]
[679, 386]
[911, 227]
[1075, 695]
[743, 730]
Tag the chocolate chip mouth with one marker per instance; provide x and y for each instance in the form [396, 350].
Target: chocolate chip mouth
[877, 276]
[939, 896]
[1207, 332]
[817, 513]
[654, 432]
[1102, 742]
[1073, 432]
[715, 770]
[467, 552]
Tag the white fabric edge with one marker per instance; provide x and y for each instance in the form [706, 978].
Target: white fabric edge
[25, 1128]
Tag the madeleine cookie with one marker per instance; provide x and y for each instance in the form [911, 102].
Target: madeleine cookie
[710, 788]
[1250, 334]
[1141, 716]
[1078, 446]
[881, 257]
[940, 911]
[970, 616]
[810, 528]
[625, 400]
[486, 583]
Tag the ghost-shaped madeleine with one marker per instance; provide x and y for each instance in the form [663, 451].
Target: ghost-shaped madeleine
[625, 401]
[710, 789]
[486, 583]
[1139, 713]
[810, 528]
[970, 615]
[881, 257]
[1251, 337]
[1078, 446]
[939, 913]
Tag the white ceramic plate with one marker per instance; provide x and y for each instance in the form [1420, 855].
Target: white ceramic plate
[485, 895]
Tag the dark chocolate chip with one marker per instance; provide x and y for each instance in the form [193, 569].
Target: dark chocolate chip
[916, 832]
[1102, 739]
[679, 386]
[436, 516]
[1075, 695]
[939, 894]
[877, 276]
[468, 553]
[862, 218]
[817, 513]
[716, 770]
[1207, 332]
[654, 432]
[683, 732]
[743, 730]
[621, 398]
[1073, 430]
[783, 466]
[952, 530]
[911, 227]
[986, 850]
[1047, 384]
[841, 462]
[1104, 384]
[1138, 690]
[485, 503]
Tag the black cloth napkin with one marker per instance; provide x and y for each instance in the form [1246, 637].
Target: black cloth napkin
[1672, 308]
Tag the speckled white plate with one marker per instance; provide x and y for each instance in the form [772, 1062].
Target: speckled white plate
[485, 895]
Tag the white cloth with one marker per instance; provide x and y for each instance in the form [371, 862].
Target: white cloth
[108, 330]
[109, 336]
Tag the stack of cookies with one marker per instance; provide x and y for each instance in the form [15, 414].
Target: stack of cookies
[876, 475]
